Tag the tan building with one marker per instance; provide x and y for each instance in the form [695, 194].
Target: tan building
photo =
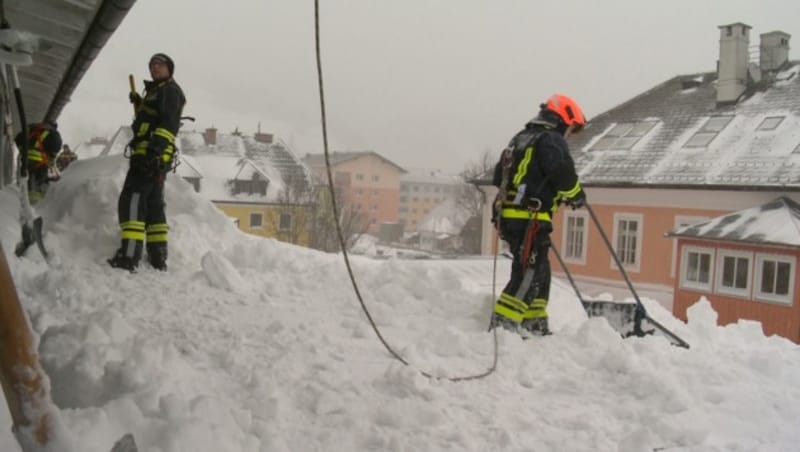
[369, 184]
[693, 148]
[421, 192]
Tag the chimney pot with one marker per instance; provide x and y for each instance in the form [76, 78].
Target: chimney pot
[211, 135]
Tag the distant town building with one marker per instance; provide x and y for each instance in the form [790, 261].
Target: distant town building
[421, 191]
[256, 180]
[369, 185]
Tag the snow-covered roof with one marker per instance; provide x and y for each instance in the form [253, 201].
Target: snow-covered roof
[446, 218]
[337, 157]
[774, 223]
[232, 157]
[755, 142]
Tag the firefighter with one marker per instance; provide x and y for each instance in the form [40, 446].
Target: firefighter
[534, 174]
[44, 142]
[141, 202]
[65, 158]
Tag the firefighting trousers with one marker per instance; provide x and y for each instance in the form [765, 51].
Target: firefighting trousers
[141, 214]
[526, 294]
[38, 183]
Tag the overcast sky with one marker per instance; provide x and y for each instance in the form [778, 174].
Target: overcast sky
[425, 83]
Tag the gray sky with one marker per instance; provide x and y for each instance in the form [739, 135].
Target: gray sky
[429, 84]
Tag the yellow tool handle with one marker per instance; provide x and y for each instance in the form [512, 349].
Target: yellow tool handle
[133, 89]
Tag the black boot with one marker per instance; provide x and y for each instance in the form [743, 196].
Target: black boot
[157, 256]
[503, 322]
[120, 260]
[536, 327]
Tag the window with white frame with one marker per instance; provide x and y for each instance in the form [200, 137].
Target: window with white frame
[774, 279]
[628, 240]
[256, 221]
[708, 132]
[575, 236]
[681, 221]
[733, 272]
[696, 268]
[623, 136]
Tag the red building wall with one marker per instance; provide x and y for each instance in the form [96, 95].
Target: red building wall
[775, 318]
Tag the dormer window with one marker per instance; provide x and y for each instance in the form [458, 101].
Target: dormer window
[708, 132]
[623, 136]
[770, 123]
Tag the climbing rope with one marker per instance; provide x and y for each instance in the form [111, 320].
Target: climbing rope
[341, 235]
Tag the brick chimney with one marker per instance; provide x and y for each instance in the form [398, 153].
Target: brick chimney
[734, 41]
[773, 50]
[263, 137]
[211, 135]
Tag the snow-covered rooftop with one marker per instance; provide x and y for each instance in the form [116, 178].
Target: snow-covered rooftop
[675, 134]
[232, 157]
[774, 223]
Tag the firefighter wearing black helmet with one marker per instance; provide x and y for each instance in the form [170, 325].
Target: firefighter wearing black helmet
[534, 174]
[141, 202]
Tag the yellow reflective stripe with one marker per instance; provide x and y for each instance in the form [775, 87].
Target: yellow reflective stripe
[513, 302]
[34, 155]
[159, 227]
[162, 132]
[572, 191]
[132, 235]
[522, 169]
[537, 309]
[508, 313]
[143, 128]
[35, 196]
[132, 224]
[40, 140]
[156, 238]
[140, 149]
[523, 214]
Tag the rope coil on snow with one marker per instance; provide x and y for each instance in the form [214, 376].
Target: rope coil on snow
[340, 235]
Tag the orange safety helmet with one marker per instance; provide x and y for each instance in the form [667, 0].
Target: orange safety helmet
[567, 109]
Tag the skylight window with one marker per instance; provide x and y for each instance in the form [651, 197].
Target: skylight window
[770, 123]
[708, 132]
[623, 136]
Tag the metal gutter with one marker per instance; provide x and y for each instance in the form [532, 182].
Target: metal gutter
[105, 23]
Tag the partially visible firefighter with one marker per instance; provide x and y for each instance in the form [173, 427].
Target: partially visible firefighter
[535, 173]
[44, 142]
[152, 150]
[66, 157]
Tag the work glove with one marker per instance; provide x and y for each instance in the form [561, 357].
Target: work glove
[135, 99]
[577, 201]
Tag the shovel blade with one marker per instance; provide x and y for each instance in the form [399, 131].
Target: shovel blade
[621, 316]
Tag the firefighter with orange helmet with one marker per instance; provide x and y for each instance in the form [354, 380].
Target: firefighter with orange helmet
[534, 174]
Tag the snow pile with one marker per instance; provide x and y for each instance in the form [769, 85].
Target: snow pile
[249, 344]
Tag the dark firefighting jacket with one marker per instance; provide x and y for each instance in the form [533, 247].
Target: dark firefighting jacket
[157, 121]
[540, 170]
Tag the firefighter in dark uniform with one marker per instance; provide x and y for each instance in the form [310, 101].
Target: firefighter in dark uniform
[534, 175]
[44, 142]
[141, 203]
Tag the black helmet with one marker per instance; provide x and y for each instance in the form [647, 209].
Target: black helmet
[164, 58]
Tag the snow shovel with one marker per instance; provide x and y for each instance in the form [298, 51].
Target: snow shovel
[627, 318]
